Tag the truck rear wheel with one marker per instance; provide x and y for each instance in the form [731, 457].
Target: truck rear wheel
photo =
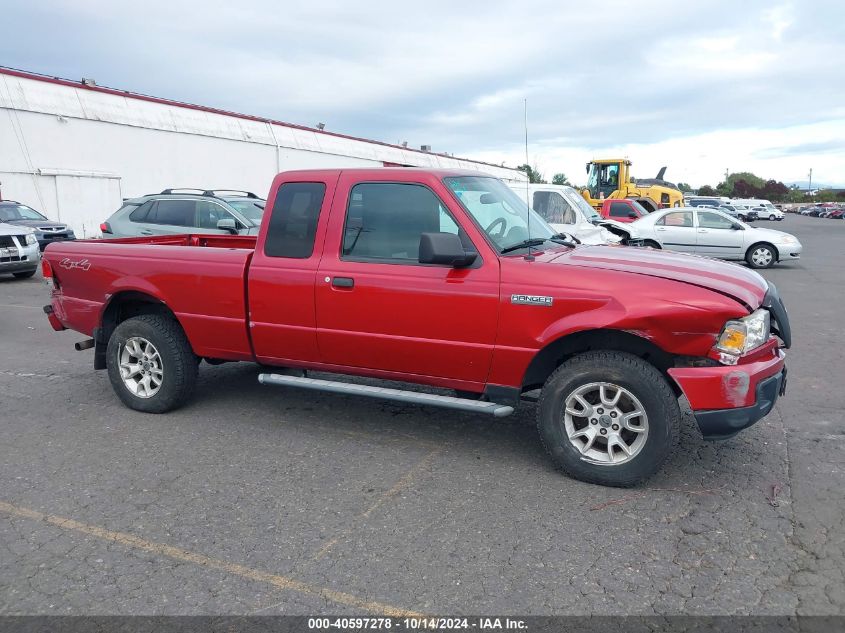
[608, 418]
[150, 363]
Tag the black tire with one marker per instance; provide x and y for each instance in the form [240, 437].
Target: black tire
[652, 244]
[24, 275]
[772, 218]
[760, 247]
[178, 362]
[631, 373]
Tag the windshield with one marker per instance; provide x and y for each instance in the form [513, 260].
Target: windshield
[641, 210]
[251, 208]
[19, 212]
[577, 200]
[602, 178]
[498, 210]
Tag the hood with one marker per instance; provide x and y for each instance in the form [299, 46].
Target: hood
[732, 280]
[11, 229]
[771, 234]
[37, 224]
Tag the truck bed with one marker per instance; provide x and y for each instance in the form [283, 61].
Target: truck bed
[201, 278]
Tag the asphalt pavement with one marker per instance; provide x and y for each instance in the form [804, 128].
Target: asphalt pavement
[260, 500]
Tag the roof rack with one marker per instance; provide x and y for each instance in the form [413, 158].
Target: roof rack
[181, 189]
[211, 193]
[215, 192]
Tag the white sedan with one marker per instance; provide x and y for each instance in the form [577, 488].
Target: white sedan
[715, 234]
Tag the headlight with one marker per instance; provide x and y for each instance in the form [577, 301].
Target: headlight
[30, 239]
[788, 239]
[743, 335]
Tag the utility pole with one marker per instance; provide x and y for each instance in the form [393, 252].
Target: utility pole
[810, 181]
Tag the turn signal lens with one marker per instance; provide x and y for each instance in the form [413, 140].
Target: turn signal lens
[743, 335]
[732, 339]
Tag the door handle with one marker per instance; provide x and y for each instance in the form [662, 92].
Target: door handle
[659, 229]
[343, 282]
[146, 232]
[703, 231]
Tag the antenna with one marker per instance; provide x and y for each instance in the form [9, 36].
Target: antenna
[529, 257]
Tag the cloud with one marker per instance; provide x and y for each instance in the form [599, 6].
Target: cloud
[649, 78]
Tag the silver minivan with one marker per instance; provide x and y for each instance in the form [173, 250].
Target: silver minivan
[175, 211]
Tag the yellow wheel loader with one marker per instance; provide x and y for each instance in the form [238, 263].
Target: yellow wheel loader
[611, 178]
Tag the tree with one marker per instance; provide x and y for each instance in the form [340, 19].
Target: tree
[775, 190]
[561, 179]
[706, 190]
[534, 175]
[684, 186]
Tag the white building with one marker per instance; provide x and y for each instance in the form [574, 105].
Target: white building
[74, 150]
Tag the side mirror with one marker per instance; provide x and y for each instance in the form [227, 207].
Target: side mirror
[737, 227]
[444, 249]
[227, 224]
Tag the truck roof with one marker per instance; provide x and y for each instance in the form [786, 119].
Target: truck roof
[381, 172]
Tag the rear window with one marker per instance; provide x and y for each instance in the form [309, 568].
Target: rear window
[140, 213]
[173, 213]
[293, 223]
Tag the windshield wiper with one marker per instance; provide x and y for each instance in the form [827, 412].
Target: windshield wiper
[534, 241]
[557, 238]
[567, 239]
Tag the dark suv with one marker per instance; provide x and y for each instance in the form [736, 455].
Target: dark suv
[175, 211]
[46, 231]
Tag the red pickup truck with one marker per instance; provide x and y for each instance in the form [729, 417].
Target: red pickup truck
[439, 278]
[622, 210]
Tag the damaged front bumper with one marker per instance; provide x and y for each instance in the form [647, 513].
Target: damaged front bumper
[727, 399]
[724, 423]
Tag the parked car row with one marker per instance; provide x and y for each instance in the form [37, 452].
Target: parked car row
[819, 211]
[746, 210]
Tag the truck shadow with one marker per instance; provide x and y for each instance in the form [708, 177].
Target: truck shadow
[232, 392]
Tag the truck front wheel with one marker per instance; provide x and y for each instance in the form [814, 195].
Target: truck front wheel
[608, 418]
[150, 363]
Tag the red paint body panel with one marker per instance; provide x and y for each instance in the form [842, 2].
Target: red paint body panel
[432, 325]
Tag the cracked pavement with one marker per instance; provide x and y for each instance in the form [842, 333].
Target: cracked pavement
[421, 509]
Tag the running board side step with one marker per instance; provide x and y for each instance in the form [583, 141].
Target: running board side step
[400, 395]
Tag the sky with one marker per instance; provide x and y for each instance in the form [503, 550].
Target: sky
[700, 87]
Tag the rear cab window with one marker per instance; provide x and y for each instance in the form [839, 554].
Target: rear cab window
[293, 221]
[620, 210]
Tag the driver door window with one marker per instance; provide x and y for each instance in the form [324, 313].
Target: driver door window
[553, 208]
[384, 222]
